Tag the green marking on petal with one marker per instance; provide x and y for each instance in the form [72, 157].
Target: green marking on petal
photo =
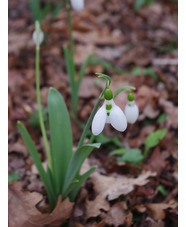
[108, 113]
[108, 107]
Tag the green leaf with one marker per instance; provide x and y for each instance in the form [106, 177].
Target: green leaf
[60, 136]
[57, 9]
[120, 151]
[162, 118]
[103, 139]
[71, 74]
[82, 70]
[36, 9]
[162, 190]
[35, 157]
[138, 4]
[137, 71]
[153, 139]
[76, 162]
[45, 10]
[70, 66]
[106, 65]
[82, 179]
[34, 118]
[132, 156]
[13, 177]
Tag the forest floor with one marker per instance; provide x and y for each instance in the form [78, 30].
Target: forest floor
[141, 47]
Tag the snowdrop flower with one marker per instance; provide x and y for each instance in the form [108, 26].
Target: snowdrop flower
[109, 113]
[38, 40]
[131, 109]
[77, 4]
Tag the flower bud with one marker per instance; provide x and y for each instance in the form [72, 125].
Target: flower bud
[40, 38]
[131, 112]
[77, 4]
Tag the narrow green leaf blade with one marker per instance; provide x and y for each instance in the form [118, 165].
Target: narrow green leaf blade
[32, 150]
[77, 160]
[82, 179]
[35, 157]
[36, 9]
[82, 70]
[60, 136]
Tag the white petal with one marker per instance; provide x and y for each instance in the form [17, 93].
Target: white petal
[99, 120]
[131, 112]
[77, 4]
[118, 119]
[41, 37]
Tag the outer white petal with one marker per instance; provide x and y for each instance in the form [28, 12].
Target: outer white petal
[118, 119]
[41, 37]
[99, 120]
[77, 4]
[131, 112]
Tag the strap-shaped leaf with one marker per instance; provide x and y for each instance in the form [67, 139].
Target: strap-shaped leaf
[60, 136]
[35, 157]
[82, 179]
[77, 160]
[82, 70]
[70, 66]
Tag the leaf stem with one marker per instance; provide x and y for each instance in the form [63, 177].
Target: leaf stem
[43, 131]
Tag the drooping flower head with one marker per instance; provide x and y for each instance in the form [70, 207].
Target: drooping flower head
[77, 4]
[131, 109]
[109, 113]
[37, 35]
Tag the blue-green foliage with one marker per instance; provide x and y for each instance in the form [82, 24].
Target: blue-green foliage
[62, 174]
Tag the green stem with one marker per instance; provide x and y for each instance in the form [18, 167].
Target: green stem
[91, 140]
[126, 88]
[87, 126]
[43, 131]
[70, 28]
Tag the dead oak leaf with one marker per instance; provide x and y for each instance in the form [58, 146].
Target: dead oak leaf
[109, 188]
[21, 205]
[23, 211]
[59, 215]
[157, 210]
[117, 214]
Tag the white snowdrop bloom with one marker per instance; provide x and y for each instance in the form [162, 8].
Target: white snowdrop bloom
[131, 112]
[77, 4]
[40, 39]
[109, 113]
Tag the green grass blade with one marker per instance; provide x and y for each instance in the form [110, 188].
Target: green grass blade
[35, 157]
[81, 179]
[82, 70]
[77, 160]
[36, 9]
[60, 136]
[69, 65]
[71, 74]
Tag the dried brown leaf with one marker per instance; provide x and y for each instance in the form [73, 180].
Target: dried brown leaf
[23, 211]
[110, 188]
